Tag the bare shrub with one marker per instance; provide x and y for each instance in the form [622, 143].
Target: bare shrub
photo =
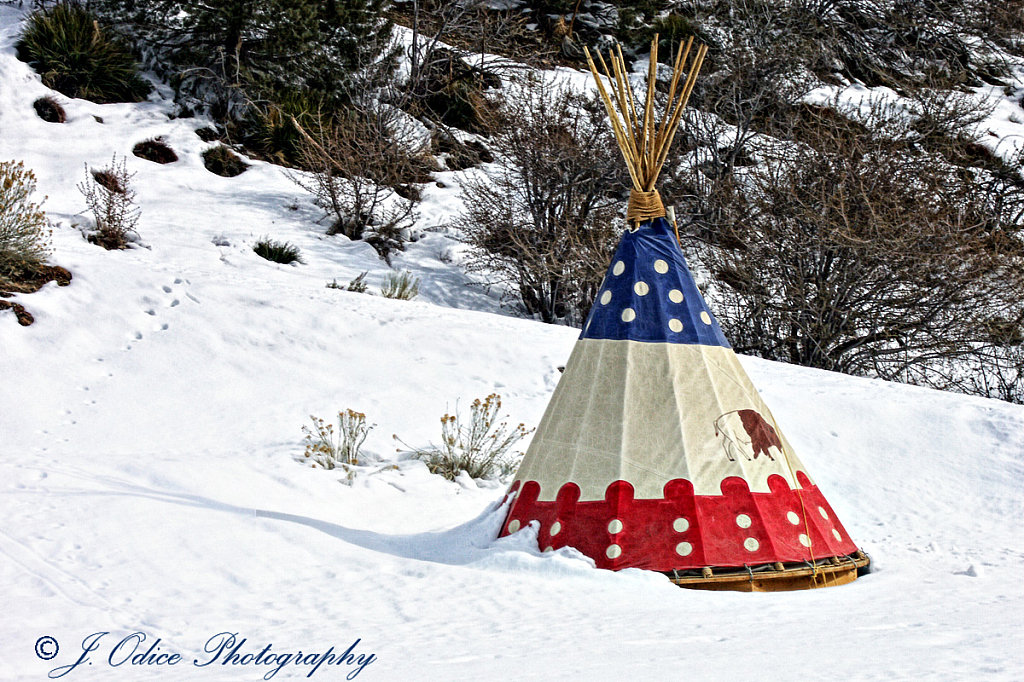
[481, 448]
[24, 227]
[858, 252]
[459, 155]
[442, 85]
[543, 223]
[751, 85]
[1000, 374]
[327, 450]
[111, 199]
[355, 165]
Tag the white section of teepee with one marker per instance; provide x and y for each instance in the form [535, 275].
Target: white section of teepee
[648, 413]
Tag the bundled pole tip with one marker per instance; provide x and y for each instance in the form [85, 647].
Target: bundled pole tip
[645, 143]
[644, 206]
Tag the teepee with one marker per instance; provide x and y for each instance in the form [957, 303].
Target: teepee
[656, 451]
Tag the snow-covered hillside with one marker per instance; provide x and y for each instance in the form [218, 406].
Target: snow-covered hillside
[150, 421]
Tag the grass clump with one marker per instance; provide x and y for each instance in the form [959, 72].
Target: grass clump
[50, 110]
[358, 285]
[325, 450]
[278, 252]
[155, 150]
[220, 160]
[481, 448]
[24, 227]
[401, 285]
[207, 134]
[74, 56]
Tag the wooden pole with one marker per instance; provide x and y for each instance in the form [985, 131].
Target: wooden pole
[643, 141]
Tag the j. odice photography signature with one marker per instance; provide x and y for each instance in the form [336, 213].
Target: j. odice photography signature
[222, 649]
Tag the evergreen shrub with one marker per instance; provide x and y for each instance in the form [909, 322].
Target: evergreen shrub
[75, 56]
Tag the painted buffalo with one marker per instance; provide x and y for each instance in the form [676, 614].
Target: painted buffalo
[747, 432]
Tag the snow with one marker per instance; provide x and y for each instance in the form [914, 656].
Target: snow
[150, 431]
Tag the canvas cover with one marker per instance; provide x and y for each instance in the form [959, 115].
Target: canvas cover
[656, 451]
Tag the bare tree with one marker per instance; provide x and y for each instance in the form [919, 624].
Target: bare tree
[358, 173]
[857, 251]
[544, 222]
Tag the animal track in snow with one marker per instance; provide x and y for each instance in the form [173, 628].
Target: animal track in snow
[151, 305]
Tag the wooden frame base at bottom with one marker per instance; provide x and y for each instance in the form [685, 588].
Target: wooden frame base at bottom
[778, 577]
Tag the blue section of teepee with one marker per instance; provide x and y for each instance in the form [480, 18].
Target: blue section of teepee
[649, 294]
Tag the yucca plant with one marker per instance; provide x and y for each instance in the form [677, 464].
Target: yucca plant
[76, 57]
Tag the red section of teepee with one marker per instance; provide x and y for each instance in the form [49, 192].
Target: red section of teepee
[686, 531]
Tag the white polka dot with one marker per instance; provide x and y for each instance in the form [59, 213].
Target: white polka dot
[628, 315]
[824, 514]
[743, 521]
[804, 540]
[675, 296]
[751, 544]
[705, 317]
[549, 548]
[641, 288]
[619, 268]
[675, 325]
[837, 535]
[684, 549]
[513, 525]
[613, 551]
[660, 266]
[680, 525]
[614, 526]
[606, 297]
[793, 518]
[556, 528]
